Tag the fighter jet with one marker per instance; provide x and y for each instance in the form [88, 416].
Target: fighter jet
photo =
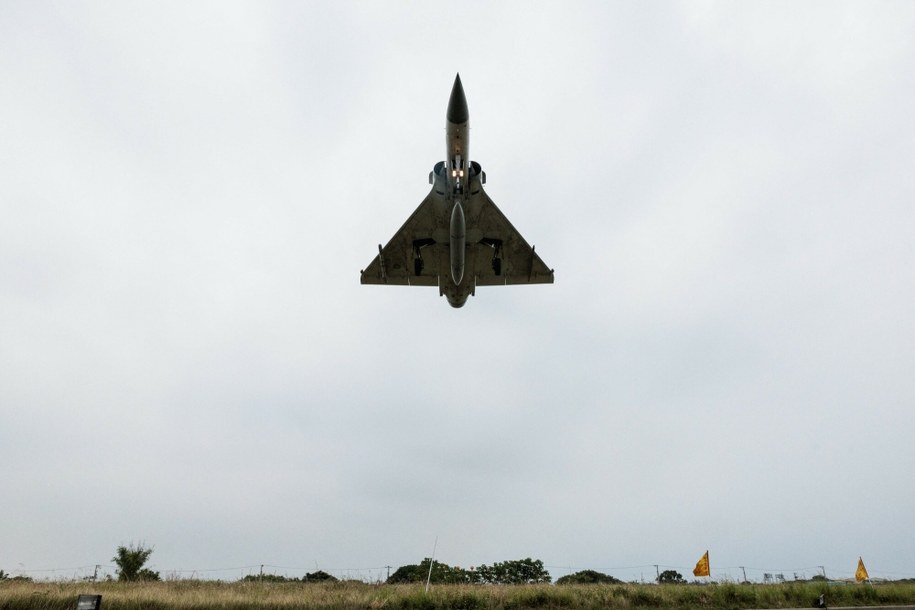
[457, 239]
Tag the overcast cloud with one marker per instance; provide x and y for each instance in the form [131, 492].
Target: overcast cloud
[725, 362]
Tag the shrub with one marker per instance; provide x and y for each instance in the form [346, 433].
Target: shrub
[130, 561]
[587, 577]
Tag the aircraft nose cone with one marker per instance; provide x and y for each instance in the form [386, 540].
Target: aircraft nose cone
[457, 104]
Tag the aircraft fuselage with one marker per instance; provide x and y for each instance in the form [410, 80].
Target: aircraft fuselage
[457, 142]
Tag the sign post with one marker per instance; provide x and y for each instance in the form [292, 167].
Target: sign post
[89, 602]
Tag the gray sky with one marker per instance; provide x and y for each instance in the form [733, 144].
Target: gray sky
[725, 361]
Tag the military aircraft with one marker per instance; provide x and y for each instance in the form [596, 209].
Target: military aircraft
[457, 239]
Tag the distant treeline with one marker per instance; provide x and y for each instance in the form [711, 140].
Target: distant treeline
[515, 572]
[521, 571]
[319, 576]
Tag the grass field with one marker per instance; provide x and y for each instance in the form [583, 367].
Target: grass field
[208, 595]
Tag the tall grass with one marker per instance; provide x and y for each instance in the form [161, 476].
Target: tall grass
[208, 595]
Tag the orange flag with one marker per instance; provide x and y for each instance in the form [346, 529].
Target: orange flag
[702, 567]
[861, 572]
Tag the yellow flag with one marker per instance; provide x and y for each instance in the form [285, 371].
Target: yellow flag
[702, 567]
[861, 572]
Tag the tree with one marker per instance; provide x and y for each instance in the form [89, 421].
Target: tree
[130, 561]
[670, 577]
[441, 573]
[517, 572]
[319, 576]
[587, 577]
[405, 574]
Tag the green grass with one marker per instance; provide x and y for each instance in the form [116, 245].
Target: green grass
[208, 595]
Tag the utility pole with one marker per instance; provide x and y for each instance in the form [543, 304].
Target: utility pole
[389, 572]
[744, 573]
[824, 571]
[658, 571]
[431, 563]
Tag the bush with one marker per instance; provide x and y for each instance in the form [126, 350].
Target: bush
[670, 577]
[441, 573]
[319, 576]
[518, 572]
[587, 577]
[130, 561]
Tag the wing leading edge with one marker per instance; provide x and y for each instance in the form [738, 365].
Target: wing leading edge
[496, 253]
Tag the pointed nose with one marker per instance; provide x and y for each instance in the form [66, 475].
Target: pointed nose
[457, 104]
